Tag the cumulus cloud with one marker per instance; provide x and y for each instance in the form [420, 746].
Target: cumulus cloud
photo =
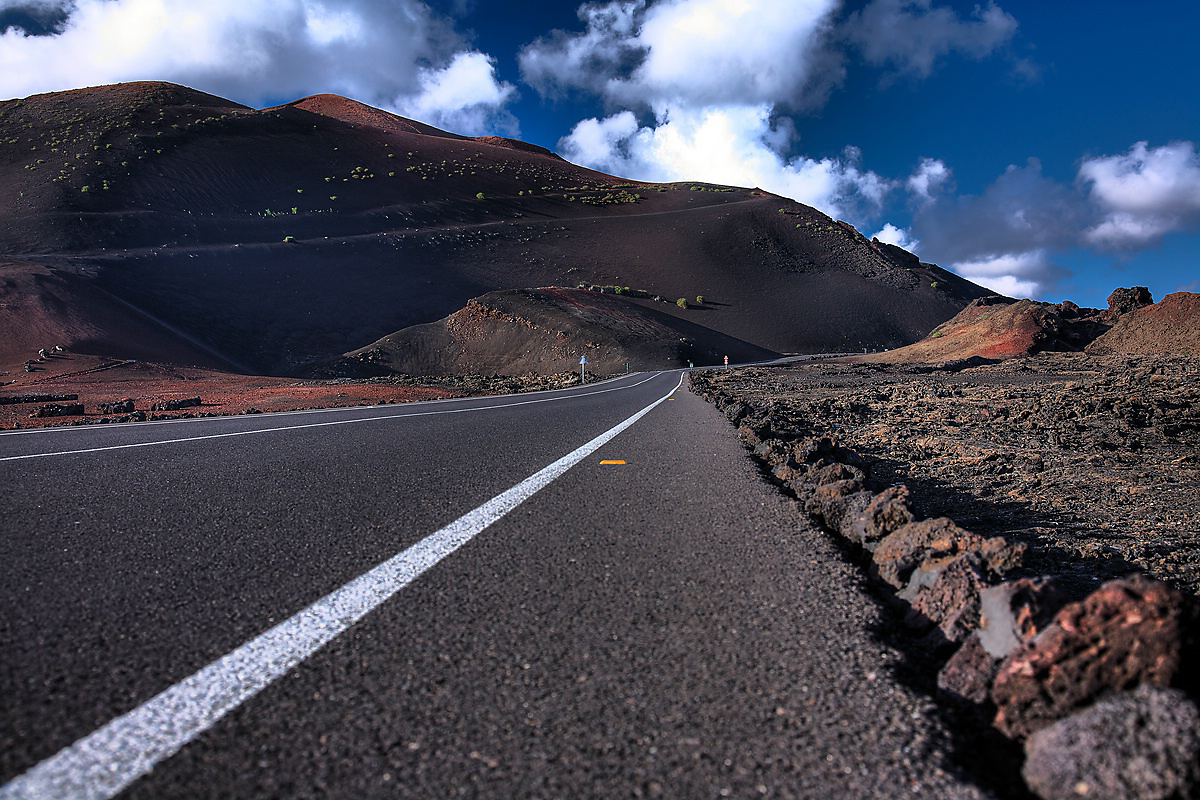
[1020, 275]
[395, 55]
[1143, 194]
[928, 179]
[699, 89]
[911, 36]
[1003, 237]
[708, 78]
[690, 53]
[463, 97]
[734, 145]
[901, 237]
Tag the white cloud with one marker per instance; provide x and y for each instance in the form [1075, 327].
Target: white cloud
[589, 60]
[733, 145]
[901, 237]
[690, 53]
[395, 54]
[912, 36]
[716, 76]
[928, 179]
[715, 52]
[1013, 274]
[465, 97]
[1143, 194]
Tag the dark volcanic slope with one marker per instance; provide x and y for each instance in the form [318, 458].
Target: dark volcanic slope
[179, 203]
[547, 330]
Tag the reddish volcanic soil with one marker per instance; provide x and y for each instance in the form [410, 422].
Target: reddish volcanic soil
[100, 380]
[1171, 326]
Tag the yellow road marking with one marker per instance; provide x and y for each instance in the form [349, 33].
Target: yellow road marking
[612, 461]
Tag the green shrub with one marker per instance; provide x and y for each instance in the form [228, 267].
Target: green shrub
[480, 196]
[682, 302]
[699, 299]
[934, 285]
[289, 239]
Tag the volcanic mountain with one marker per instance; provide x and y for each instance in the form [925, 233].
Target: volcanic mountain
[149, 220]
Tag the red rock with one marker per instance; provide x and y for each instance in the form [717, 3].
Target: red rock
[951, 601]
[889, 510]
[1128, 632]
[969, 673]
[907, 548]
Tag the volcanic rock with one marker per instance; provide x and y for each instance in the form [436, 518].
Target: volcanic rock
[176, 405]
[910, 547]
[889, 510]
[968, 674]
[947, 596]
[119, 407]
[1128, 632]
[1015, 611]
[1122, 301]
[58, 410]
[1139, 745]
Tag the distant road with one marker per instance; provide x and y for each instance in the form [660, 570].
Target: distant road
[456, 598]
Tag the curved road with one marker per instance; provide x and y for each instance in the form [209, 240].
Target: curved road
[457, 598]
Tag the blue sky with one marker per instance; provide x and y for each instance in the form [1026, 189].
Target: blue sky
[1044, 149]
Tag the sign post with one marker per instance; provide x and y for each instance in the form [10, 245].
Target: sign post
[583, 369]
[726, 361]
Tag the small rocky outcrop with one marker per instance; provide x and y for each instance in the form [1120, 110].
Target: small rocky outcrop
[58, 410]
[1171, 326]
[119, 407]
[1139, 745]
[17, 399]
[1122, 301]
[176, 405]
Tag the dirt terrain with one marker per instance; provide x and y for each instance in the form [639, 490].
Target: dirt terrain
[64, 379]
[1094, 461]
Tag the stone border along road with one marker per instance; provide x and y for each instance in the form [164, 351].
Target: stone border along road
[1101, 689]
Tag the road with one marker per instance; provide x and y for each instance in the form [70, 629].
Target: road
[457, 598]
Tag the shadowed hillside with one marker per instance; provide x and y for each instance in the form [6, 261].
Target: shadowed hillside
[547, 330]
[281, 238]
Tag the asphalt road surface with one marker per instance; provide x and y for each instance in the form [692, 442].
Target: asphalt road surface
[444, 599]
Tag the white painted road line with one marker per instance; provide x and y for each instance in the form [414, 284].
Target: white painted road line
[103, 763]
[318, 424]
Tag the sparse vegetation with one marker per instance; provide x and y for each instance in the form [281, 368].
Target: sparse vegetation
[699, 299]
[682, 302]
